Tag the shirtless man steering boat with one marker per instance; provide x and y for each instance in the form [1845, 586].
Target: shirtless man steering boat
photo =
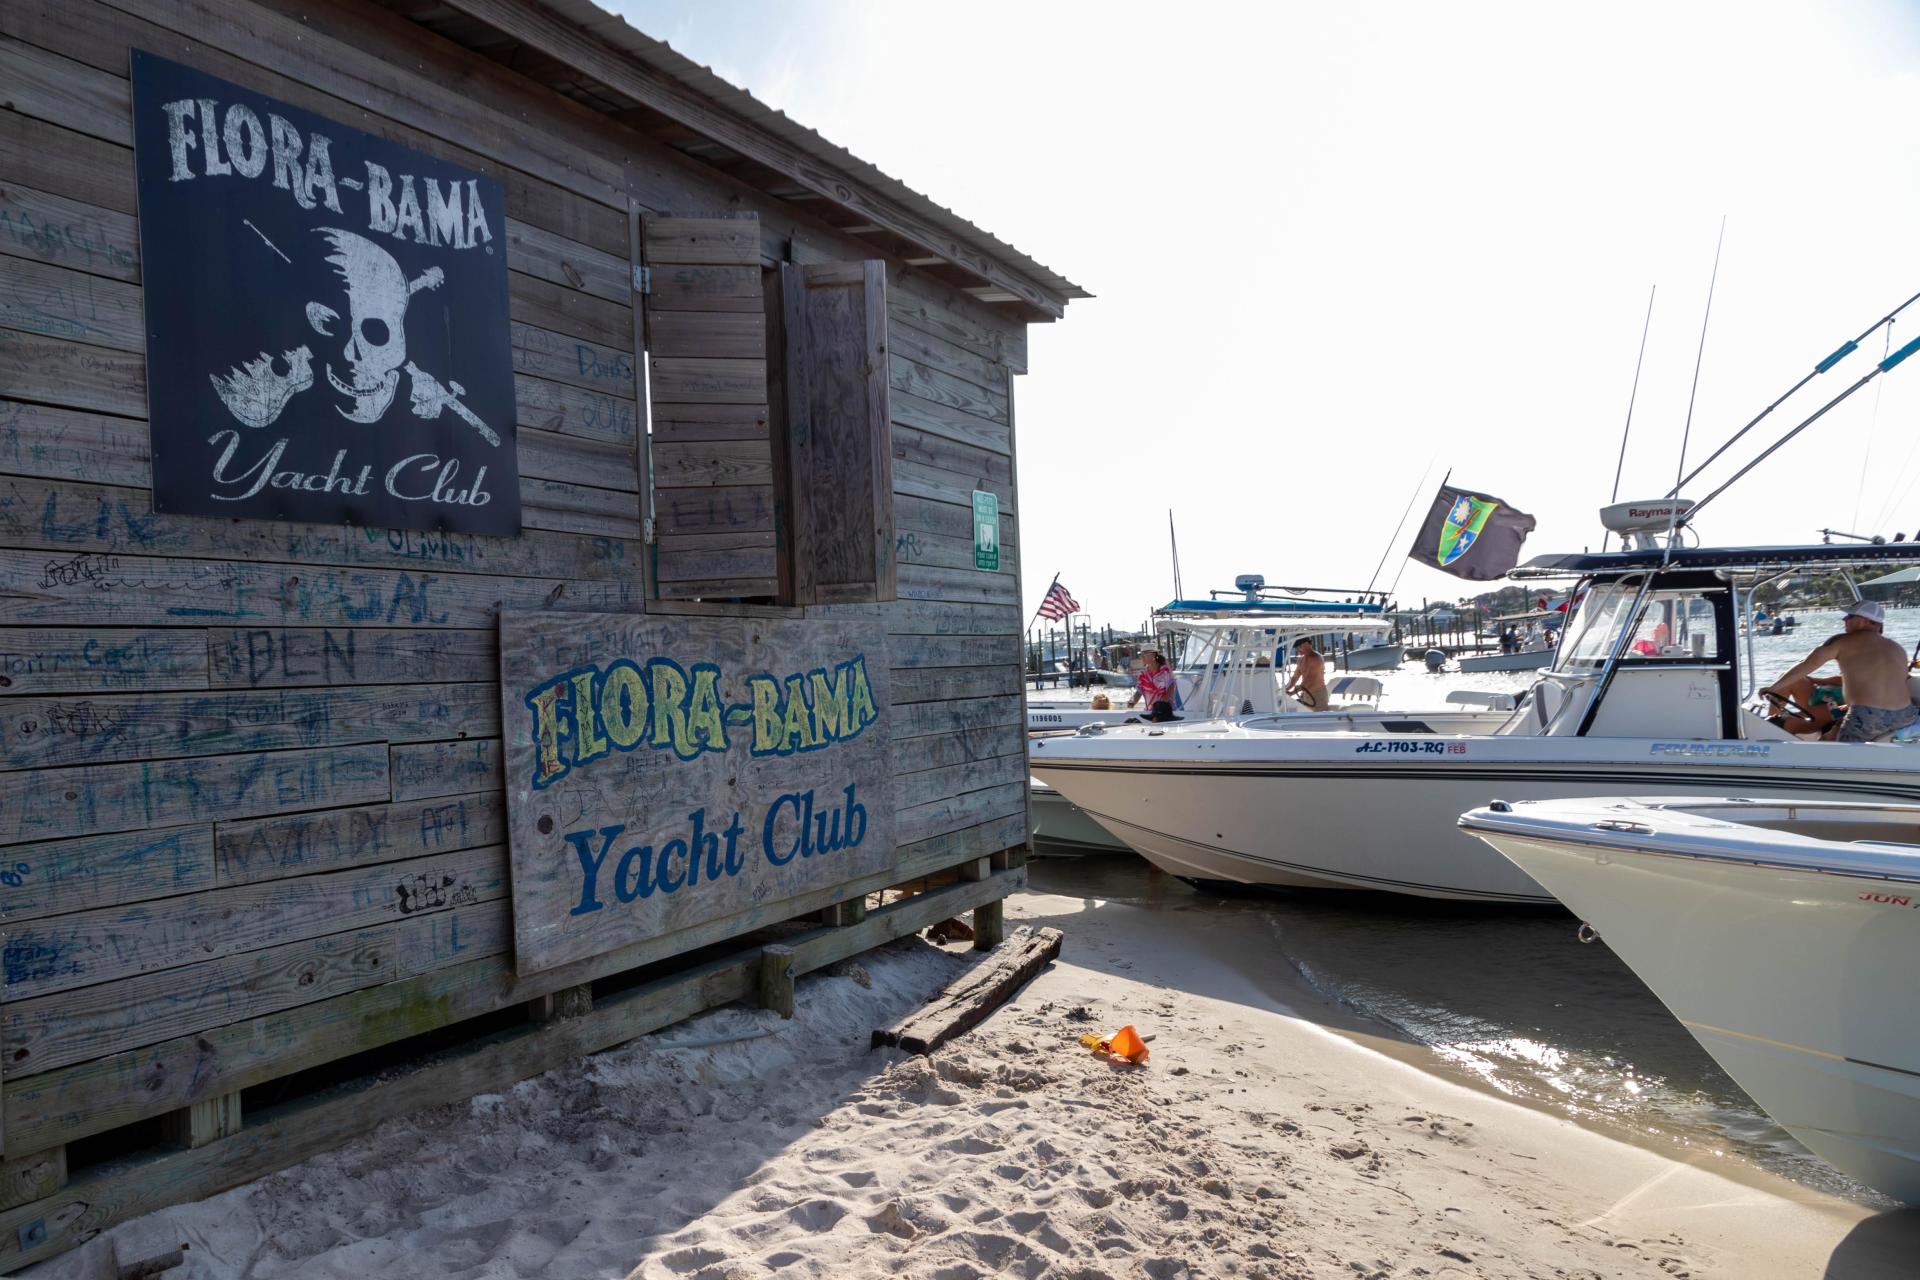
[1309, 683]
[1873, 671]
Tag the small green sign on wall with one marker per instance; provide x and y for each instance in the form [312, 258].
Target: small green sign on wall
[986, 531]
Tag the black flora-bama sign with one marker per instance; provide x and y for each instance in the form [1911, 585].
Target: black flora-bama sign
[327, 331]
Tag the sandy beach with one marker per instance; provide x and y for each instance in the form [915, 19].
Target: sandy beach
[1269, 1136]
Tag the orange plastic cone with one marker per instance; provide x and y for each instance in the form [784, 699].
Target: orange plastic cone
[1124, 1043]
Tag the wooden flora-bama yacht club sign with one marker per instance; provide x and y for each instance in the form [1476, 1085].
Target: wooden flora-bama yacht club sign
[667, 772]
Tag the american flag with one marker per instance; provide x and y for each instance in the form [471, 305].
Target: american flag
[1058, 603]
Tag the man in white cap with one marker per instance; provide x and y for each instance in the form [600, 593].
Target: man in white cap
[1873, 670]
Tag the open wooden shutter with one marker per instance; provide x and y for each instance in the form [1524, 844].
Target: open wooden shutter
[838, 437]
[716, 535]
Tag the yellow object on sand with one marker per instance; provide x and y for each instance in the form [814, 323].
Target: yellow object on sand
[1124, 1043]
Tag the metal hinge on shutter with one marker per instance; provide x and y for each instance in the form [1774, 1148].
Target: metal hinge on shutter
[643, 280]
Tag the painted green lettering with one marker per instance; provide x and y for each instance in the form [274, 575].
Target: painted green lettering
[706, 722]
[588, 742]
[832, 712]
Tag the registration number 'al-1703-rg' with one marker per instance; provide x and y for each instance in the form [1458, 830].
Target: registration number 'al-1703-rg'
[1395, 746]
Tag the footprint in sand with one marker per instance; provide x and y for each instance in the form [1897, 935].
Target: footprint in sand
[970, 1147]
[816, 1215]
[686, 1261]
[892, 1220]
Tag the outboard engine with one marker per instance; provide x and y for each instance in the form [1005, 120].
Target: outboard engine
[1436, 659]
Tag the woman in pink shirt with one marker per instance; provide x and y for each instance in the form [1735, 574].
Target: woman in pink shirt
[1154, 686]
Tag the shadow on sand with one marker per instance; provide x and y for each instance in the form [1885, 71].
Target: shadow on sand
[1887, 1244]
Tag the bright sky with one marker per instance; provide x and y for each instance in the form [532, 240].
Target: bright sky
[1333, 244]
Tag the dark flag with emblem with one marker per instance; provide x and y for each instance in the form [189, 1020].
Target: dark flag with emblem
[1470, 535]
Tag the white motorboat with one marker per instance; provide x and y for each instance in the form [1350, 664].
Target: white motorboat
[1525, 660]
[1783, 934]
[1535, 629]
[1379, 656]
[1645, 696]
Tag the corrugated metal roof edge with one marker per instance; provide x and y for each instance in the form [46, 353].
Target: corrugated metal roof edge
[662, 57]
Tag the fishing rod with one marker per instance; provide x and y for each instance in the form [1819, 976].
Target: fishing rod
[1419, 487]
[1840, 353]
[1699, 357]
[1885, 366]
[1173, 540]
[1632, 396]
[1394, 590]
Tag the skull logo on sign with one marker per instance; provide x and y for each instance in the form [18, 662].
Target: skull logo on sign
[373, 336]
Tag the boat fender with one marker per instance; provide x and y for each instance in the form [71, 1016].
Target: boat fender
[1586, 933]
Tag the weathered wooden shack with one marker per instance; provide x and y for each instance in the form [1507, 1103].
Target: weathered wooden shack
[495, 522]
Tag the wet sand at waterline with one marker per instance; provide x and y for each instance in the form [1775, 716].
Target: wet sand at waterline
[1271, 1135]
[1509, 1001]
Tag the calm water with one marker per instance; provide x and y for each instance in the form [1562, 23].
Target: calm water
[1513, 999]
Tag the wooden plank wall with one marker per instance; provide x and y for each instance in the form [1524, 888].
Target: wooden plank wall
[250, 816]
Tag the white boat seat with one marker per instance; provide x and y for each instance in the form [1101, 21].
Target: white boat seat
[1356, 688]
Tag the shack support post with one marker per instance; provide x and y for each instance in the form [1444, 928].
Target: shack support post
[776, 979]
[199, 1123]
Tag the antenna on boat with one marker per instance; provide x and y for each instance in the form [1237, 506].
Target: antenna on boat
[1632, 396]
[1419, 487]
[1699, 357]
[1174, 540]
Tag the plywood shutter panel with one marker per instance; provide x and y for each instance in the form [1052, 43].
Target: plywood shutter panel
[839, 443]
[713, 474]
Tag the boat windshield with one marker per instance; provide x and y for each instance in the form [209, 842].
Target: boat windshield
[1668, 624]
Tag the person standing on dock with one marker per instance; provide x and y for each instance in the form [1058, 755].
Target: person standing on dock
[1309, 682]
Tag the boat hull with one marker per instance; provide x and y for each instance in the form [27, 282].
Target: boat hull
[1381, 813]
[1374, 657]
[1798, 983]
[1062, 828]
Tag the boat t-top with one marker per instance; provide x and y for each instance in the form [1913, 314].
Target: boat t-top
[1650, 693]
[1235, 658]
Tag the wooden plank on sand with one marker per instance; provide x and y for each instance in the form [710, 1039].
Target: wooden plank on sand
[968, 1000]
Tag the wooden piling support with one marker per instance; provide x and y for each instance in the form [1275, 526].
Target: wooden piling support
[842, 914]
[198, 1123]
[568, 1002]
[989, 924]
[776, 979]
